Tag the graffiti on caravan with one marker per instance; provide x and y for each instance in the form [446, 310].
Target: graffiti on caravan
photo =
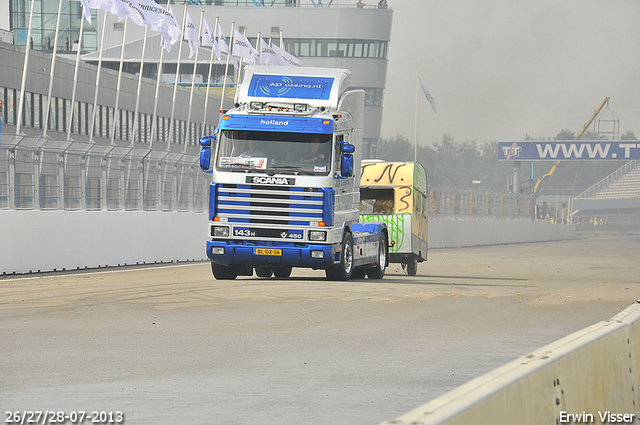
[569, 150]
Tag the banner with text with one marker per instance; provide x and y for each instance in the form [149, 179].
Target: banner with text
[569, 150]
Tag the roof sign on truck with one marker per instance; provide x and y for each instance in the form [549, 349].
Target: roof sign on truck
[290, 87]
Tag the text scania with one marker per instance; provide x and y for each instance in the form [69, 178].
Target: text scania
[270, 180]
[273, 122]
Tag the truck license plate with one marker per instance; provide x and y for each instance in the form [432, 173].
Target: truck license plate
[268, 251]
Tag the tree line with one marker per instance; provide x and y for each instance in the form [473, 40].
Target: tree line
[460, 164]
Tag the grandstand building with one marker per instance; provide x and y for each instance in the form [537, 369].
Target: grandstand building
[615, 198]
[318, 32]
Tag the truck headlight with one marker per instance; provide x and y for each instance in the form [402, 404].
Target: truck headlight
[220, 231]
[317, 236]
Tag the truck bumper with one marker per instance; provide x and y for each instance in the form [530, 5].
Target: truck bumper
[294, 255]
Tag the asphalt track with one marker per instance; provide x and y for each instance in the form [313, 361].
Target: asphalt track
[170, 345]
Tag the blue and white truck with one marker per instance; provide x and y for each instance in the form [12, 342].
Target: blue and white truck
[286, 175]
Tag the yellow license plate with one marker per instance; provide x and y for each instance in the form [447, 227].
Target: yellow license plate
[268, 251]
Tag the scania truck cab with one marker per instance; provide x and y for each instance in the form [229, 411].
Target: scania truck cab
[285, 163]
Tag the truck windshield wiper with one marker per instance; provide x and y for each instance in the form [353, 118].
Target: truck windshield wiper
[293, 169]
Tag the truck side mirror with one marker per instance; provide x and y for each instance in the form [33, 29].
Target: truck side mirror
[205, 152]
[206, 141]
[346, 162]
[205, 158]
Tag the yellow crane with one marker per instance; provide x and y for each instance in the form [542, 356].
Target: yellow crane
[555, 166]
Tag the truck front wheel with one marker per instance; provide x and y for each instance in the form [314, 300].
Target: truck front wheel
[263, 271]
[378, 269]
[222, 272]
[344, 270]
[281, 271]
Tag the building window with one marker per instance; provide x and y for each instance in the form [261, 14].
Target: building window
[337, 48]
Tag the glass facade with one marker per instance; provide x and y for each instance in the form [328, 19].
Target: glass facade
[43, 28]
[371, 49]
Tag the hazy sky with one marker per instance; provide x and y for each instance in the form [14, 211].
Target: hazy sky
[502, 69]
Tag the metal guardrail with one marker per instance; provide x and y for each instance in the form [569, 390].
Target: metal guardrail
[37, 174]
[40, 174]
[449, 202]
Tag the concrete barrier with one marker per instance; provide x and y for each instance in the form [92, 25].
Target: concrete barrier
[460, 233]
[590, 376]
[37, 240]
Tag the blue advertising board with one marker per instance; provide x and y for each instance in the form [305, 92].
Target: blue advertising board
[291, 87]
[569, 150]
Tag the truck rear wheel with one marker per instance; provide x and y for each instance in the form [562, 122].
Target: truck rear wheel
[281, 271]
[222, 272]
[377, 270]
[412, 267]
[344, 270]
[358, 273]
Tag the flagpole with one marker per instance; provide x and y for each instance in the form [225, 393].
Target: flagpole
[115, 108]
[259, 48]
[53, 67]
[415, 143]
[154, 119]
[24, 71]
[193, 84]
[175, 85]
[75, 75]
[135, 113]
[206, 98]
[226, 69]
[98, 72]
[244, 34]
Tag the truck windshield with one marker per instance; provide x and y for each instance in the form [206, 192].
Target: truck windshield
[274, 152]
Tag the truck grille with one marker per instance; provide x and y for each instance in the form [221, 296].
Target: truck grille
[272, 205]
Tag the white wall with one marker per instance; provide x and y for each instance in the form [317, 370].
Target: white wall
[48, 240]
[55, 240]
[459, 233]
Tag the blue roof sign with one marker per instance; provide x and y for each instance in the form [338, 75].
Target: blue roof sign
[277, 124]
[290, 87]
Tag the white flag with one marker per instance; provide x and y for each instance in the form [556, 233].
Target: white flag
[268, 56]
[208, 39]
[244, 49]
[430, 98]
[132, 11]
[120, 9]
[224, 46]
[162, 20]
[285, 57]
[86, 9]
[191, 35]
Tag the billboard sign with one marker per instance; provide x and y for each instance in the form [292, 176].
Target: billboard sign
[569, 150]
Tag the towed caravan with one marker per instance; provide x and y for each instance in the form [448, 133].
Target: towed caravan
[396, 193]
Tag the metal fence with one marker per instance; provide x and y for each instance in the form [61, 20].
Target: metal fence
[449, 202]
[37, 174]
[41, 174]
